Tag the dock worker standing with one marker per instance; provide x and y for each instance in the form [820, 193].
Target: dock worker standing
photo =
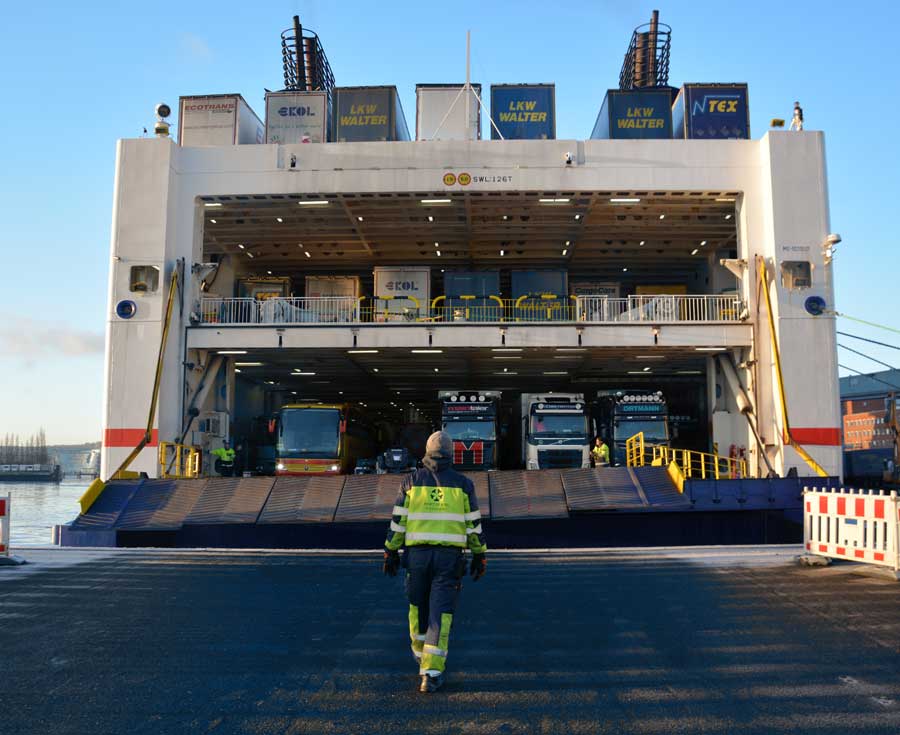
[600, 453]
[436, 518]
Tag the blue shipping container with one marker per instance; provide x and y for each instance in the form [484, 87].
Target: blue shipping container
[468, 283]
[524, 111]
[703, 111]
[535, 283]
[645, 113]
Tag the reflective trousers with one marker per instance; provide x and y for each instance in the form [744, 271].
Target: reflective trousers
[433, 581]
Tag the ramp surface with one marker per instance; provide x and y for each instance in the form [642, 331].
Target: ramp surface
[106, 510]
[368, 498]
[521, 494]
[231, 500]
[482, 491]
[160, 505]
[307, 499]
[601, 488]
[659, 489]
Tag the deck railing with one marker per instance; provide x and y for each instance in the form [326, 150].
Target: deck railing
[590, 309]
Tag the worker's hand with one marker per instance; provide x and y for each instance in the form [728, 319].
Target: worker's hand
[478, 566]
[391, 563]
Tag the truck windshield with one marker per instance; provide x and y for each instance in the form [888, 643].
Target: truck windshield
[470, 430]
[654, 431]
[548, 424]
[309, 432]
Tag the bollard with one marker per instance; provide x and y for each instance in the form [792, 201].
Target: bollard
[5, 557]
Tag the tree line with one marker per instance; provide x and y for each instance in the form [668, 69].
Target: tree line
[31, 450]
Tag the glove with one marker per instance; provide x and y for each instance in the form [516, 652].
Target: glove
[391, 563]
[478, 566]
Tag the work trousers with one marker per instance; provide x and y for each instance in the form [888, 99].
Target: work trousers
[433, 581]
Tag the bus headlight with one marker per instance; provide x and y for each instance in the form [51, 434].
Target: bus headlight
[334, 468]
[279, 466]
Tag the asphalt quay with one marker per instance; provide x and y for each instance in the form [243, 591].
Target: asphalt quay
[662, 640]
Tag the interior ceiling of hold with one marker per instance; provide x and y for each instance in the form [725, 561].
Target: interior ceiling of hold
[656, 234]
[336, 374]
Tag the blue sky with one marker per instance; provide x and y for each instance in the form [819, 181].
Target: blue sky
[76, 78]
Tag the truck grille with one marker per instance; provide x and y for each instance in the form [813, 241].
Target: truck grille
[559, 458]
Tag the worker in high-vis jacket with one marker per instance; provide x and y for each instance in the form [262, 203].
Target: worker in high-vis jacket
[436, 518]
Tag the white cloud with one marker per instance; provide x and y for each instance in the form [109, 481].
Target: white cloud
[27, 338]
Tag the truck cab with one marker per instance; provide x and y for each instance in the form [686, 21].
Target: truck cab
[625, 413]
[470, 418]
[555, 431]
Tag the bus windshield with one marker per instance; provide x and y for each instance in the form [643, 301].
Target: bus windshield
[309, 432]
[548, 424]
[654, 431]
[464, 430]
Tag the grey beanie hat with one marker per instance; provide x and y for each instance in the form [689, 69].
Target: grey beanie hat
[439, 445]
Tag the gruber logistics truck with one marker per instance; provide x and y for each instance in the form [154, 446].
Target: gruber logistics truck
[626, 413]
[470, 418]
[555, 431]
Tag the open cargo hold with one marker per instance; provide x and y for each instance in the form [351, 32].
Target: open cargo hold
[524, 111]
[644, 113]
[296, 117]
[365, 114]
[402, 293]
[441, 112]
[706, 111]
[224, 119]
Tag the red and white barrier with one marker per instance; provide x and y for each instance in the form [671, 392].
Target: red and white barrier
[859, 525]
[4, 526]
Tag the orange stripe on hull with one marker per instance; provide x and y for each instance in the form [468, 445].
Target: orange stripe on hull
[128, 438]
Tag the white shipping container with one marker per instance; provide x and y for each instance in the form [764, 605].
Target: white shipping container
[435, 103]
[214, 120]
[296, 117]
[395, 285]
[321, 286]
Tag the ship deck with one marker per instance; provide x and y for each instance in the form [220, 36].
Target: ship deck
[724, 640]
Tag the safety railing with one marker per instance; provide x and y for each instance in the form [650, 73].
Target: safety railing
[692, 464]
[4, 525]
[465, 309]
[179, 461]
[859, 525]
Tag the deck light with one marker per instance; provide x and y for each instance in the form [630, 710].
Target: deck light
[636, 372]
[438, 253]
[241, 245]
[571, 349]
[212, 221]
[727, 216]
[662, 216]
[248, 364]
[649, 357]
[694, 251]
[249, 255]
[577, 217]
[724, 199]
[642, 243]
[231, 352]
[689, 372]
[269, 273]
[375, 370]
[313, 203]
[624, 270]
[624, 200]
[237, 370]
[306, 253]
[556, 372]
[361, 352]
[212, 204]
[506, 349]
[507, 357]
[435, 370]
[279, 219]
[565, 250]
[710, 349]
[702, 243]
[431, 218]
[502, 253]
[647, 369]
[557, 200]
[506, 373]
[433, 202]
[426, 352]
[359, 219]
[302, 372]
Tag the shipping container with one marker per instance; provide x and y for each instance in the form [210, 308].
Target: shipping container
[523, 111]
[399, 290]
[441, 112]
[610, 289]
[296, 117]
[703, 111]
[263, 288]
[363, 114]
[224, 119]
[320, 286]
[639, 113]
[471, 283]
[537, 283]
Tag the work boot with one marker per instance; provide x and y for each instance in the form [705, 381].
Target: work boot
[431, 683]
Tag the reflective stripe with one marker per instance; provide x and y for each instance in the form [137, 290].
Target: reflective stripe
[475, 515]
[459, 517]
[477, 529]
[399, 510]
[420, 637]
[452, 537]
[435, 651]
[397, 527]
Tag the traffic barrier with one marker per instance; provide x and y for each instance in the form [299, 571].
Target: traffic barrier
[179, 461]
[4, 526]
[859, 525]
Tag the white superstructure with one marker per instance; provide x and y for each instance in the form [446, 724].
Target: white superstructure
[654, 218]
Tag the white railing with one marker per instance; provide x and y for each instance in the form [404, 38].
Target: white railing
[313, 310]
[659, 309]
[858, 525]
[591, 309]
